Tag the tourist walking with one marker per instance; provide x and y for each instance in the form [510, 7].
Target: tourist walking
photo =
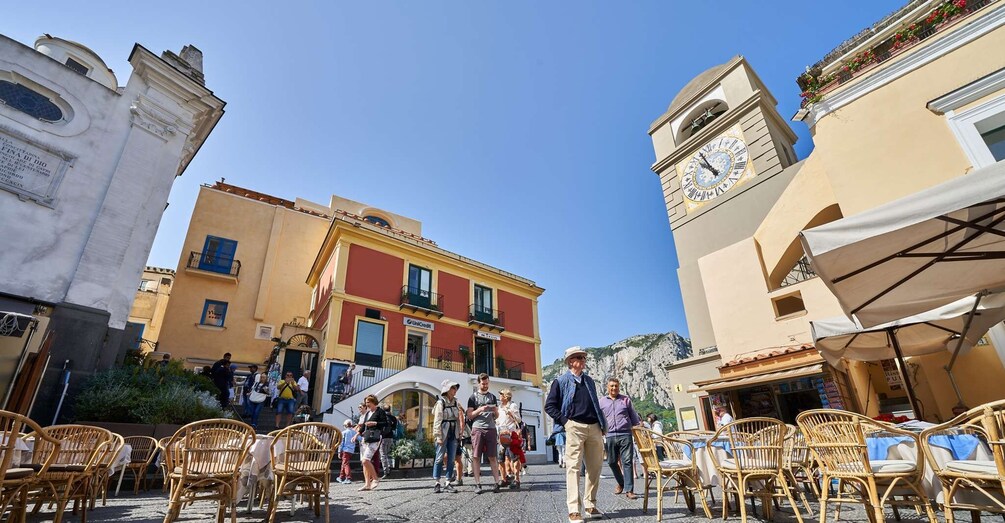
[345, 450]
[657, 427]
[447, 420]
[305, 385]
[249, 382]
[287, 400]
[258, 394]
[621, 417]
[572, 402]
[387, 441]
[223, 378]
[370, 427]
[558, 435]
[511, 454]
[482, 406]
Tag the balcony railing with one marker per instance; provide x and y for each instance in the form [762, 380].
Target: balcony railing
[211, 262]
[492, 318]
[418, 299]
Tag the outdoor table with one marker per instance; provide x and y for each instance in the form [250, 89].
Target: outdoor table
[20, 448]
[256, 468]
[703, 460]
[958, 447]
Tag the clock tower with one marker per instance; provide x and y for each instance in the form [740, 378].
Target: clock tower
[723, 155]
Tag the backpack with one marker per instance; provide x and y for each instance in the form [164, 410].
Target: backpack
[391, 427]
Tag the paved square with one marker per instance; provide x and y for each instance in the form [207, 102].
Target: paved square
[542, 499]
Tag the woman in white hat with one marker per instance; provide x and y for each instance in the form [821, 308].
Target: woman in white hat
[447, 420]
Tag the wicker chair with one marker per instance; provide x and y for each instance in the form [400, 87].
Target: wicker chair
[798, 466]
[71, 470]
[144, 450]
[755, 468]
[203, 460]
[15, 479]
[301, 457]
[163, 466]
[975, 485]
[103, 470]
[838, 440]
[676, 472]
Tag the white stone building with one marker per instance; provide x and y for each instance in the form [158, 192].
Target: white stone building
[86, 167]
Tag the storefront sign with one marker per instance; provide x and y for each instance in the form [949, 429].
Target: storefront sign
[412, 322]
[488, 335]
[29, 171]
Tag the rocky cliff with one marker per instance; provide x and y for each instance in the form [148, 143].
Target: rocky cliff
[638, 362]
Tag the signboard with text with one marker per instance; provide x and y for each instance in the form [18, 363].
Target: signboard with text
[30, 171]
[413, 322]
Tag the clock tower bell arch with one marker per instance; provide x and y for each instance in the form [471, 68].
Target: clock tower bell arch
[723, 155]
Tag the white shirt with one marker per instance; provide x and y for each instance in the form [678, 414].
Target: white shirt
[505, 422]
[303, 383]
[725, 419]
[657, 427]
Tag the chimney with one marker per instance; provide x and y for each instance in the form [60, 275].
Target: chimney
[189, 62]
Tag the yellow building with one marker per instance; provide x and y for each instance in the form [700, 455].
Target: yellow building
[147, 313]
[916, 101]
[240, 276]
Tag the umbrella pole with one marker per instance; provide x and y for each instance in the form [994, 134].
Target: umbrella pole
[904, 373]
[960, 406]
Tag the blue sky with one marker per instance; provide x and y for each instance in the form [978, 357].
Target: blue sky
[516, 131]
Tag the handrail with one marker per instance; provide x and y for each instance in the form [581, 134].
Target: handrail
[421, 298]
[486, 316]
[211, 262]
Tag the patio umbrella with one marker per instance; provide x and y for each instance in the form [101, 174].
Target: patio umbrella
[948, 328]
[917, 253]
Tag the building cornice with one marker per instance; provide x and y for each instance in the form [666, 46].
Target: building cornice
[969, 32]
[971, 92]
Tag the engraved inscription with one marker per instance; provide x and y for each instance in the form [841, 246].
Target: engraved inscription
[29, 171]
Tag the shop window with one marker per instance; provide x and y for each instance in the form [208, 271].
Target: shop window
[369, 343]
[214, 313]
[788, 305]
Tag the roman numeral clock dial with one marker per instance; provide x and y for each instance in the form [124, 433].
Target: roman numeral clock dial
[714, 169]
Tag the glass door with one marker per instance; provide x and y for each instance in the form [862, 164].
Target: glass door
[483, 356]
[420, 286]
[483, 304]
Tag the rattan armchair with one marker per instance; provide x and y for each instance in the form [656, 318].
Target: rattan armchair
[675, 472]
[16, 477]
[754, 469]
[76, 449]
[798, 466]
[163, 463]
[971, 484]
[144, 448]
[107, 458]
[838, 440]
[203, 460]
[301, 457]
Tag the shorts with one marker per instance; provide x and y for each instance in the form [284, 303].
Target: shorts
[285, 406]
[483, 441]
[368, 450]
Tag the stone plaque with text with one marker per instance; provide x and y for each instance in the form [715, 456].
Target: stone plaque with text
[30, 171]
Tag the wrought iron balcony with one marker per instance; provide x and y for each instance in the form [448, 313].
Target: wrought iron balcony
[800, 272]
[420, 300]
[494, 319]
[211, 262]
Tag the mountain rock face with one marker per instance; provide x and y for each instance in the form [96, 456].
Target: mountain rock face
[637, 361]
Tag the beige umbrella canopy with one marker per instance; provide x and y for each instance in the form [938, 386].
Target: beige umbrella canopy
[937, 330]
[917, 253]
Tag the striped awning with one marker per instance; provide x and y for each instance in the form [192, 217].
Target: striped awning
[760, 379]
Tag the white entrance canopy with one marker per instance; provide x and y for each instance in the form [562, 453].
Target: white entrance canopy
[917, 253]
[927, 333]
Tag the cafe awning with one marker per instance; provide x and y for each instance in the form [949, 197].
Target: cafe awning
[759, 379]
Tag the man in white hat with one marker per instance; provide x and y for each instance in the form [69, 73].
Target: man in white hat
[447, 421]
[573, 403]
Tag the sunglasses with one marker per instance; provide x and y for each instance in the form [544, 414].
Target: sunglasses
[578, 358]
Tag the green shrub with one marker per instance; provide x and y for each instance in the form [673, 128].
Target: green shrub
[139, 393]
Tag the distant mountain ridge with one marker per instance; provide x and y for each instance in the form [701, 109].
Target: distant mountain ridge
[639, 362]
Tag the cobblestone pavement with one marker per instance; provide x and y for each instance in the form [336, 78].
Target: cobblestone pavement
[542, 499]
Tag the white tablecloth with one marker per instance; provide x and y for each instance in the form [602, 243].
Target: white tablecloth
[257, 468]
[27, 447]
[930, 483]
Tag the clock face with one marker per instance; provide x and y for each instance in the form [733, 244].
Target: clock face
[714, 169]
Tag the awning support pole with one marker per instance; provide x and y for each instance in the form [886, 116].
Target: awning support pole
[904, 373]
[956, 352]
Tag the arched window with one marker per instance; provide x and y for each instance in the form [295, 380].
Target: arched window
[29, 102]
[700, 117]
[414, 409]
[376, 220]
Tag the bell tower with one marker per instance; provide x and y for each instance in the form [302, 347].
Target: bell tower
[723, 154]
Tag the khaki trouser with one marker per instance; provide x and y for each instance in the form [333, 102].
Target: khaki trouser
[582, 442]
